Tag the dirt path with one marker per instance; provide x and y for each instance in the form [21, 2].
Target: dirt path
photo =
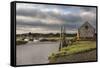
[86, 56]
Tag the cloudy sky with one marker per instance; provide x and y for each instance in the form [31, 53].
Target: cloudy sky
[41, 18]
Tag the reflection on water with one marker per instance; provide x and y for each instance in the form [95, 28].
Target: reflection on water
[35, 52]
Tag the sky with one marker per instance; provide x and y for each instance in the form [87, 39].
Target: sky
[42, 18]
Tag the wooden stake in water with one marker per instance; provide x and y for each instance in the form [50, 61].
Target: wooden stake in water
[62, 38]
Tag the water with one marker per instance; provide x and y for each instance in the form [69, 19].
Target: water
[35, 52]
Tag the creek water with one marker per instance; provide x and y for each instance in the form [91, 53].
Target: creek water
[35, 52]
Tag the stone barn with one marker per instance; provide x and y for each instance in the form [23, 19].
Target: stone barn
[86, 32]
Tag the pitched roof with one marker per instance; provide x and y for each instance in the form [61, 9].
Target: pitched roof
[86, 23]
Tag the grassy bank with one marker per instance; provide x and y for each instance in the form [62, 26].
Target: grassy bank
[20, 42]
[76, 48]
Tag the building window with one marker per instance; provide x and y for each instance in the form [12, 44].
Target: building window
[86, 27]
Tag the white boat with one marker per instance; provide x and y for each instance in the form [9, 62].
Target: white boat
[26, 39]
[35, 40]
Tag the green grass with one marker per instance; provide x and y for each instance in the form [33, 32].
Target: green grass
[79, 46]
[76, 47]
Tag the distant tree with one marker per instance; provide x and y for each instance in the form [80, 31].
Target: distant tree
[29, 33]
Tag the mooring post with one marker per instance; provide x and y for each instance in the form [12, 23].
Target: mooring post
[63, 42]
[61, 38]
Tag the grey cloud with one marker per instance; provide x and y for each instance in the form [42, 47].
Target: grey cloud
[88, 9]
[72, 20]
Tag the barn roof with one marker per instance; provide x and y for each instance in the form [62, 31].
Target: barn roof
[86, 24]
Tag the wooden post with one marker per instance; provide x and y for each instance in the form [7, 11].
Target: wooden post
[78, 36]
[60, 39]
[64, 44]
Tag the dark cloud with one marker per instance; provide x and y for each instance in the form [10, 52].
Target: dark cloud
[88, 9]
[51, 17]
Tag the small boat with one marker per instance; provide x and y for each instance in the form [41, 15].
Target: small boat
[35, 40]
[26, 39]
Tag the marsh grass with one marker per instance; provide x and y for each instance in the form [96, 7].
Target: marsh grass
[79, 46]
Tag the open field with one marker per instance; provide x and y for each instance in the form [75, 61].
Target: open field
[77, 47]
